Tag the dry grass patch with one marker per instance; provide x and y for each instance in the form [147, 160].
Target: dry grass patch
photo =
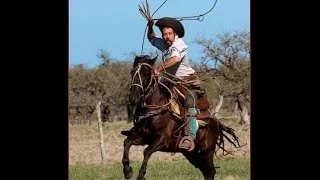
[84, 145]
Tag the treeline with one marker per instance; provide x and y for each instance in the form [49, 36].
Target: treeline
[224, 70]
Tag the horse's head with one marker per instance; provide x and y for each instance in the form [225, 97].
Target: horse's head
[141, 75]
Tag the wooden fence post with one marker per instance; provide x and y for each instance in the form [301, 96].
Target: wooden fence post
[215, 111]
[103, 152]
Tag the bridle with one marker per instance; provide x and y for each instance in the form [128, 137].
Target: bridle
[136, 71]
[146, 91]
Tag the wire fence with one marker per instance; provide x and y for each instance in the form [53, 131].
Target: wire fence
[86, 114]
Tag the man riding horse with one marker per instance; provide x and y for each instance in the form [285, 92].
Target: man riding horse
[175, 62]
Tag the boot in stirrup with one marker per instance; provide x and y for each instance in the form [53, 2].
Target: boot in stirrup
[187, 142]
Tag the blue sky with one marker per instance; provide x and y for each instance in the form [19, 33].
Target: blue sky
[118, 27]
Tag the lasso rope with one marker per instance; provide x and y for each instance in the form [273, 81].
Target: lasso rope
[145, 11]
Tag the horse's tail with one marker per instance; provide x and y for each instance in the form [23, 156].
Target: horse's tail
[223, 133]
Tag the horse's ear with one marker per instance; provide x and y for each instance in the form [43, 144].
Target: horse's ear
[135, 61]
[152, 61]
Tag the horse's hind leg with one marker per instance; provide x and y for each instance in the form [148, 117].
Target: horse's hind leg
[203, 162]
[207, 167]
[157, 145]
[193, 157]
[128, 142]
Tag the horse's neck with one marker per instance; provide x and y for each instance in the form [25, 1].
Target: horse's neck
[157, 96]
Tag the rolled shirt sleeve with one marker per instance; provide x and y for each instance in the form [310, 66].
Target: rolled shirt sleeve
[178, 49]
[175, 52]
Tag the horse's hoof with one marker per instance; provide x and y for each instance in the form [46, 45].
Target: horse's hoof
[140, 178]
[127, 171]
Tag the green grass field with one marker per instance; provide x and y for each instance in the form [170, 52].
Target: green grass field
[85, 157]
[230, 168]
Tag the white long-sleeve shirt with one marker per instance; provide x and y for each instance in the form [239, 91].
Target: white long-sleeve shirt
[178, 49]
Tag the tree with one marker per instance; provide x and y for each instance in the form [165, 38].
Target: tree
[105, 57]
[227, 60]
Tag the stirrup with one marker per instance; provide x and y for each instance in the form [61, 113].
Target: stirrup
[186, 139]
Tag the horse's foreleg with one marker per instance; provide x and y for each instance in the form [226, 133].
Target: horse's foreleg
[133, 139]
[147, 153]
[127, 169]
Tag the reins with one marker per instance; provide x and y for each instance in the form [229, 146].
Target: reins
[157, 109]
[154, 81]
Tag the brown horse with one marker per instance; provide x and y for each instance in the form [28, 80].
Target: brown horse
[156, 126]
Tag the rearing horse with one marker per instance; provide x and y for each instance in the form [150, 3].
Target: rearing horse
[156, 126]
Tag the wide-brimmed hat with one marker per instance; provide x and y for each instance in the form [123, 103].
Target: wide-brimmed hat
[173, 23]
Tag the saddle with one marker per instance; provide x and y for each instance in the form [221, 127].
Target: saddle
[177, 108]
[179, 92]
